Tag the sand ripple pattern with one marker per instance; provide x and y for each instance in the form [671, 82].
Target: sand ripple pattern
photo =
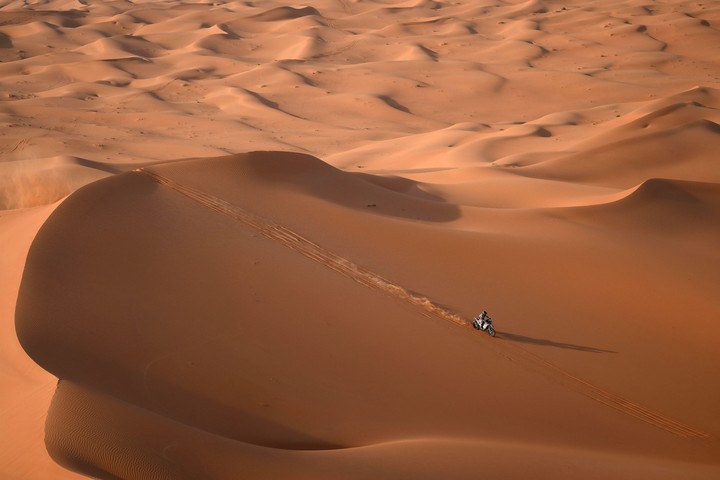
[89, 87]
[315, 252]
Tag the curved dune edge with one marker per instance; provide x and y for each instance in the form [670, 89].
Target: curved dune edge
[138, 445]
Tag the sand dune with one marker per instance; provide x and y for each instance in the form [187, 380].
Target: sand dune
[670, 207]
[301, 311]
[256, 325]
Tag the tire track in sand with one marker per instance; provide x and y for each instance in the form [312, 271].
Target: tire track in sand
[605, 397]
[315, 252]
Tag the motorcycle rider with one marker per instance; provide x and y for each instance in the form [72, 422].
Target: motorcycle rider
[483, 320]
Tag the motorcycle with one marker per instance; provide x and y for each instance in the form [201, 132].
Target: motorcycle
[484, 323]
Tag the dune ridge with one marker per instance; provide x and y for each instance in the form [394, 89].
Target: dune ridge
[207, 312]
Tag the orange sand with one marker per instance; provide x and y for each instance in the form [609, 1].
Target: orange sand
[303, 311]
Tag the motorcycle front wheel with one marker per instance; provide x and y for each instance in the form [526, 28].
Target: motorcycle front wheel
[491, 331]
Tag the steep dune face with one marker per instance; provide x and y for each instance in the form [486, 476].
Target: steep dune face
[302, 311]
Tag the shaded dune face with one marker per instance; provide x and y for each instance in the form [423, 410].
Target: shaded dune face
[140, 294]
[160, 306]
[202, 323]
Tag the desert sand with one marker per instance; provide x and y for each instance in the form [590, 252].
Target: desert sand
[247, 239]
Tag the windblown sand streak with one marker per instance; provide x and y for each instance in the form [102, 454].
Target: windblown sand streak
[370, 279]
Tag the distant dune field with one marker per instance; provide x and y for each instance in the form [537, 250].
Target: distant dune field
[249, 238]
